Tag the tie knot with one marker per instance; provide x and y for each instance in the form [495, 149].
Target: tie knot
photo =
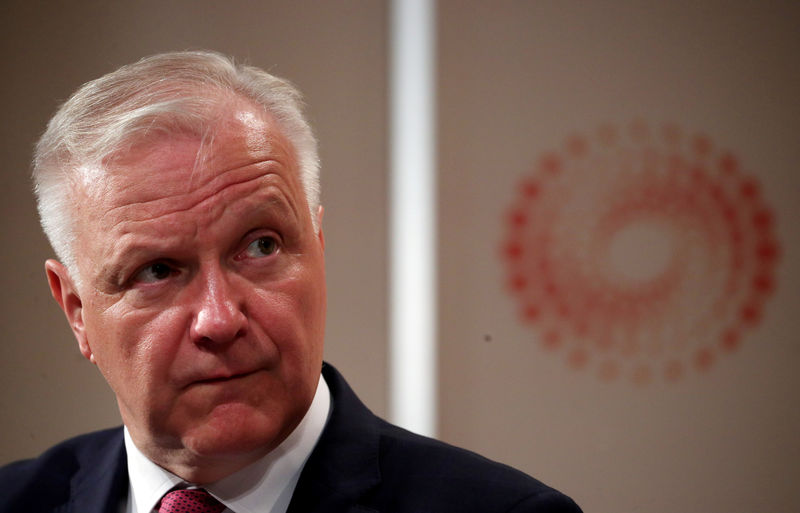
[190, 501]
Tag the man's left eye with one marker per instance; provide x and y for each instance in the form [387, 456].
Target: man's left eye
[153, 273]
[261, 247]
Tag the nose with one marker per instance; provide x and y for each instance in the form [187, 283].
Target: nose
[220, 316]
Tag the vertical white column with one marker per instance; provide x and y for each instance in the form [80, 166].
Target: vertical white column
[412, 318]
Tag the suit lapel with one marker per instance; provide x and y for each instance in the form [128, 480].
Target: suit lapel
[344, 464]
[102, 481]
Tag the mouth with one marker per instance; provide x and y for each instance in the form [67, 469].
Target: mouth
[224, 378]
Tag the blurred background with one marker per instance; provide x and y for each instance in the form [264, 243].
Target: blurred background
[616, 217]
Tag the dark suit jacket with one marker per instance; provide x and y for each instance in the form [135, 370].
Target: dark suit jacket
[360, 464]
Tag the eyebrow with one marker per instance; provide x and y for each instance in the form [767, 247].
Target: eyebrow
[112, 272]
[279, 202]
[268, 204]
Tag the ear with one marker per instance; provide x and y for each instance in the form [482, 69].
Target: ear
[320, 213]
[66, 295]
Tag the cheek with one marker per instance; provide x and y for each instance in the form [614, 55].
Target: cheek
[133, 348]
[292, 316]
[279, 315]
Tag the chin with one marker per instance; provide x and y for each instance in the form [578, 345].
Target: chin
[238, 431]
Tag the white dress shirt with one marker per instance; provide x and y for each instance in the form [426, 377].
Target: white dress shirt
[265, 486]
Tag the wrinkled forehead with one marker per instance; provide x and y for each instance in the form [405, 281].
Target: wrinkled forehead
[174, 156]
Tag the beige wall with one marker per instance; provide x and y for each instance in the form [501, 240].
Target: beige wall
[518, 78]
[334, 51]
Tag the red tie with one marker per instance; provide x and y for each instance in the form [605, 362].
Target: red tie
[190, 501]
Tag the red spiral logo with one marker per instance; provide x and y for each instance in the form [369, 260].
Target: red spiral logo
[640, 253]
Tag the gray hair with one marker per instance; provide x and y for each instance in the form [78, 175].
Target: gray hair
[162, 94]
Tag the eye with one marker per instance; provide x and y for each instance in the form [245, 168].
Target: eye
[154, 272]
[262, 247]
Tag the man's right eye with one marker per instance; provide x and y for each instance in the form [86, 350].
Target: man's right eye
[153, 273]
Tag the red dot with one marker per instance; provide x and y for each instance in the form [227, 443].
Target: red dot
[518, 282]
[673, 370]
[532, 312]
[749, 189]
[689, 200]
[701, 145]
[716, 193]
[736, 236]
[750, 314]
[763, 283]
[518, 218]
[703, 359]
[577, 146]
[550, 163]
[697, 173]
[767, 252]
[551, 339]
[544, 265]
[578, 358]
[763, 219]
[531, 189]
[730, 340]
[728, 164]
[729, 213]
[513, 250]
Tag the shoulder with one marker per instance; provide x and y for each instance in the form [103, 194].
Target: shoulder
[49, 478]
[424, 472]
[363, 459]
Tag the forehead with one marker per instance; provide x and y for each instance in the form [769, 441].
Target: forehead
[241, 143]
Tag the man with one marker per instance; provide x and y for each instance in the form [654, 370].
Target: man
[181, 195]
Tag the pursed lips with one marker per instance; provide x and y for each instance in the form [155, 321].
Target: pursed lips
[222, 378]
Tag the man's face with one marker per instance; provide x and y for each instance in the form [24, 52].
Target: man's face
[203, 293]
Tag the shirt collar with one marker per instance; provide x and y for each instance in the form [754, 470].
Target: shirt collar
[265, 486]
